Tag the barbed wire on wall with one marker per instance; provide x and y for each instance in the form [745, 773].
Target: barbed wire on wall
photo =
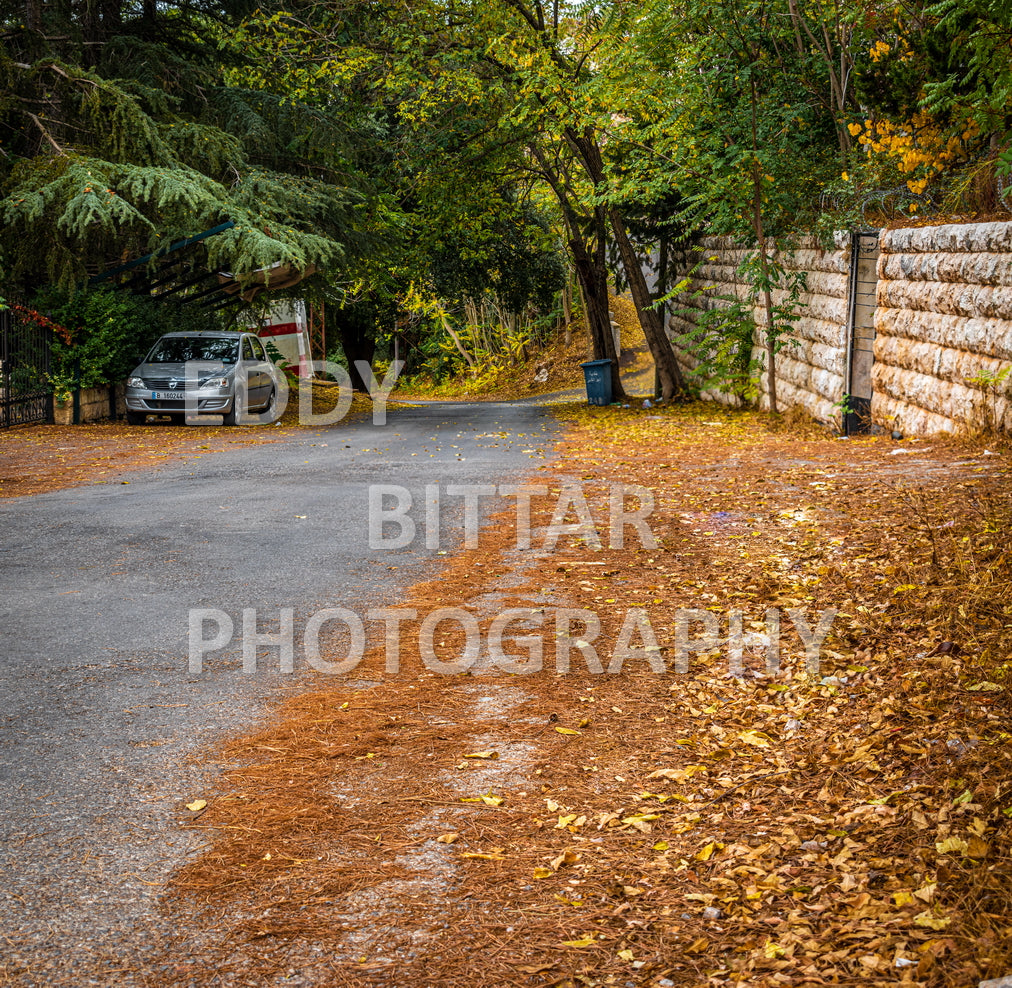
[896, 200]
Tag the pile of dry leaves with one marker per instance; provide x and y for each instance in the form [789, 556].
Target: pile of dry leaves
[729, 824]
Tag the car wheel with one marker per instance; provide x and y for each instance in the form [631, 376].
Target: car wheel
[233, 417]
[136, 418]
[268, 409]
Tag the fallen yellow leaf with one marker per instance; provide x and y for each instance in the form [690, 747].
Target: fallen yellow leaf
[569, 857]
[567, 902]
[705, 853]
[977, 848]
[196, 805]
[951, 844]
[677, 774]
[487, 800]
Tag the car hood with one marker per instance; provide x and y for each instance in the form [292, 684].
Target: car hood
[178, 371]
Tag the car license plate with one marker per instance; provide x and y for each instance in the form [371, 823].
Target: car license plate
[168, 395]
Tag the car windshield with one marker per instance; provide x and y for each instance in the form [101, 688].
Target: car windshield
[179, 349]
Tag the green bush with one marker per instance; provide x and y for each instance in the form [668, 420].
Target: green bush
[110, 332]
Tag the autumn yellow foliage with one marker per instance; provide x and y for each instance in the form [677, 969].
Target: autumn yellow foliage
[919, 146]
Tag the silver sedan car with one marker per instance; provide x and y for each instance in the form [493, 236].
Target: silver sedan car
[203, 374]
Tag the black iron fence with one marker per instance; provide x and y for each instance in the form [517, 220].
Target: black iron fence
[25, 393]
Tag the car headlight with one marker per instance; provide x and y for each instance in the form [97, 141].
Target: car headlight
[214, 384]
[135, 382]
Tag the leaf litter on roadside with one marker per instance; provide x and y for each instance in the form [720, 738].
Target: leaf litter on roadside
[848, 825]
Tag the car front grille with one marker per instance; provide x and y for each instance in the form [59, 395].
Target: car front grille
[164, 383]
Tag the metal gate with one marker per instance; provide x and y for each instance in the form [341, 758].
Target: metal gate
[25, 392]
[861, 330]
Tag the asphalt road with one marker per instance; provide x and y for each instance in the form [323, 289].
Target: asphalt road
[103, 727]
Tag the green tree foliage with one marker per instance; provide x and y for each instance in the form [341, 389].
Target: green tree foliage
[739, 131]
[122, 136]
[555, 60]
[104, 334]
[447, 147]
[448, 198]
[934, 83]
[516, 261]
[972, 42]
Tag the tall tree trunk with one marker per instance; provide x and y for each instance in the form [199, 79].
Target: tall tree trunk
[33, 15]
[771, 333]
[592, 274]
[764, 261]
[358, 342]
[591, 269]
[112, 17]
[607, 344]
[588, 152]
[834, 43]
[668, 371]
[567, 307]
[91, 29]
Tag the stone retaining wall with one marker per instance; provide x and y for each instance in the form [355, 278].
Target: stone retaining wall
[811, 368]
[944, 316]
[94, 406]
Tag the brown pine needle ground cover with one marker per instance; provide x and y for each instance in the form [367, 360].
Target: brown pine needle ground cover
[642, 826]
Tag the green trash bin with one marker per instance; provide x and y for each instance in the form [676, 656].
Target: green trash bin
[597, 377]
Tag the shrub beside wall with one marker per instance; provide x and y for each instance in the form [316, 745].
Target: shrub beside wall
[109, 334]
[812, 365]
